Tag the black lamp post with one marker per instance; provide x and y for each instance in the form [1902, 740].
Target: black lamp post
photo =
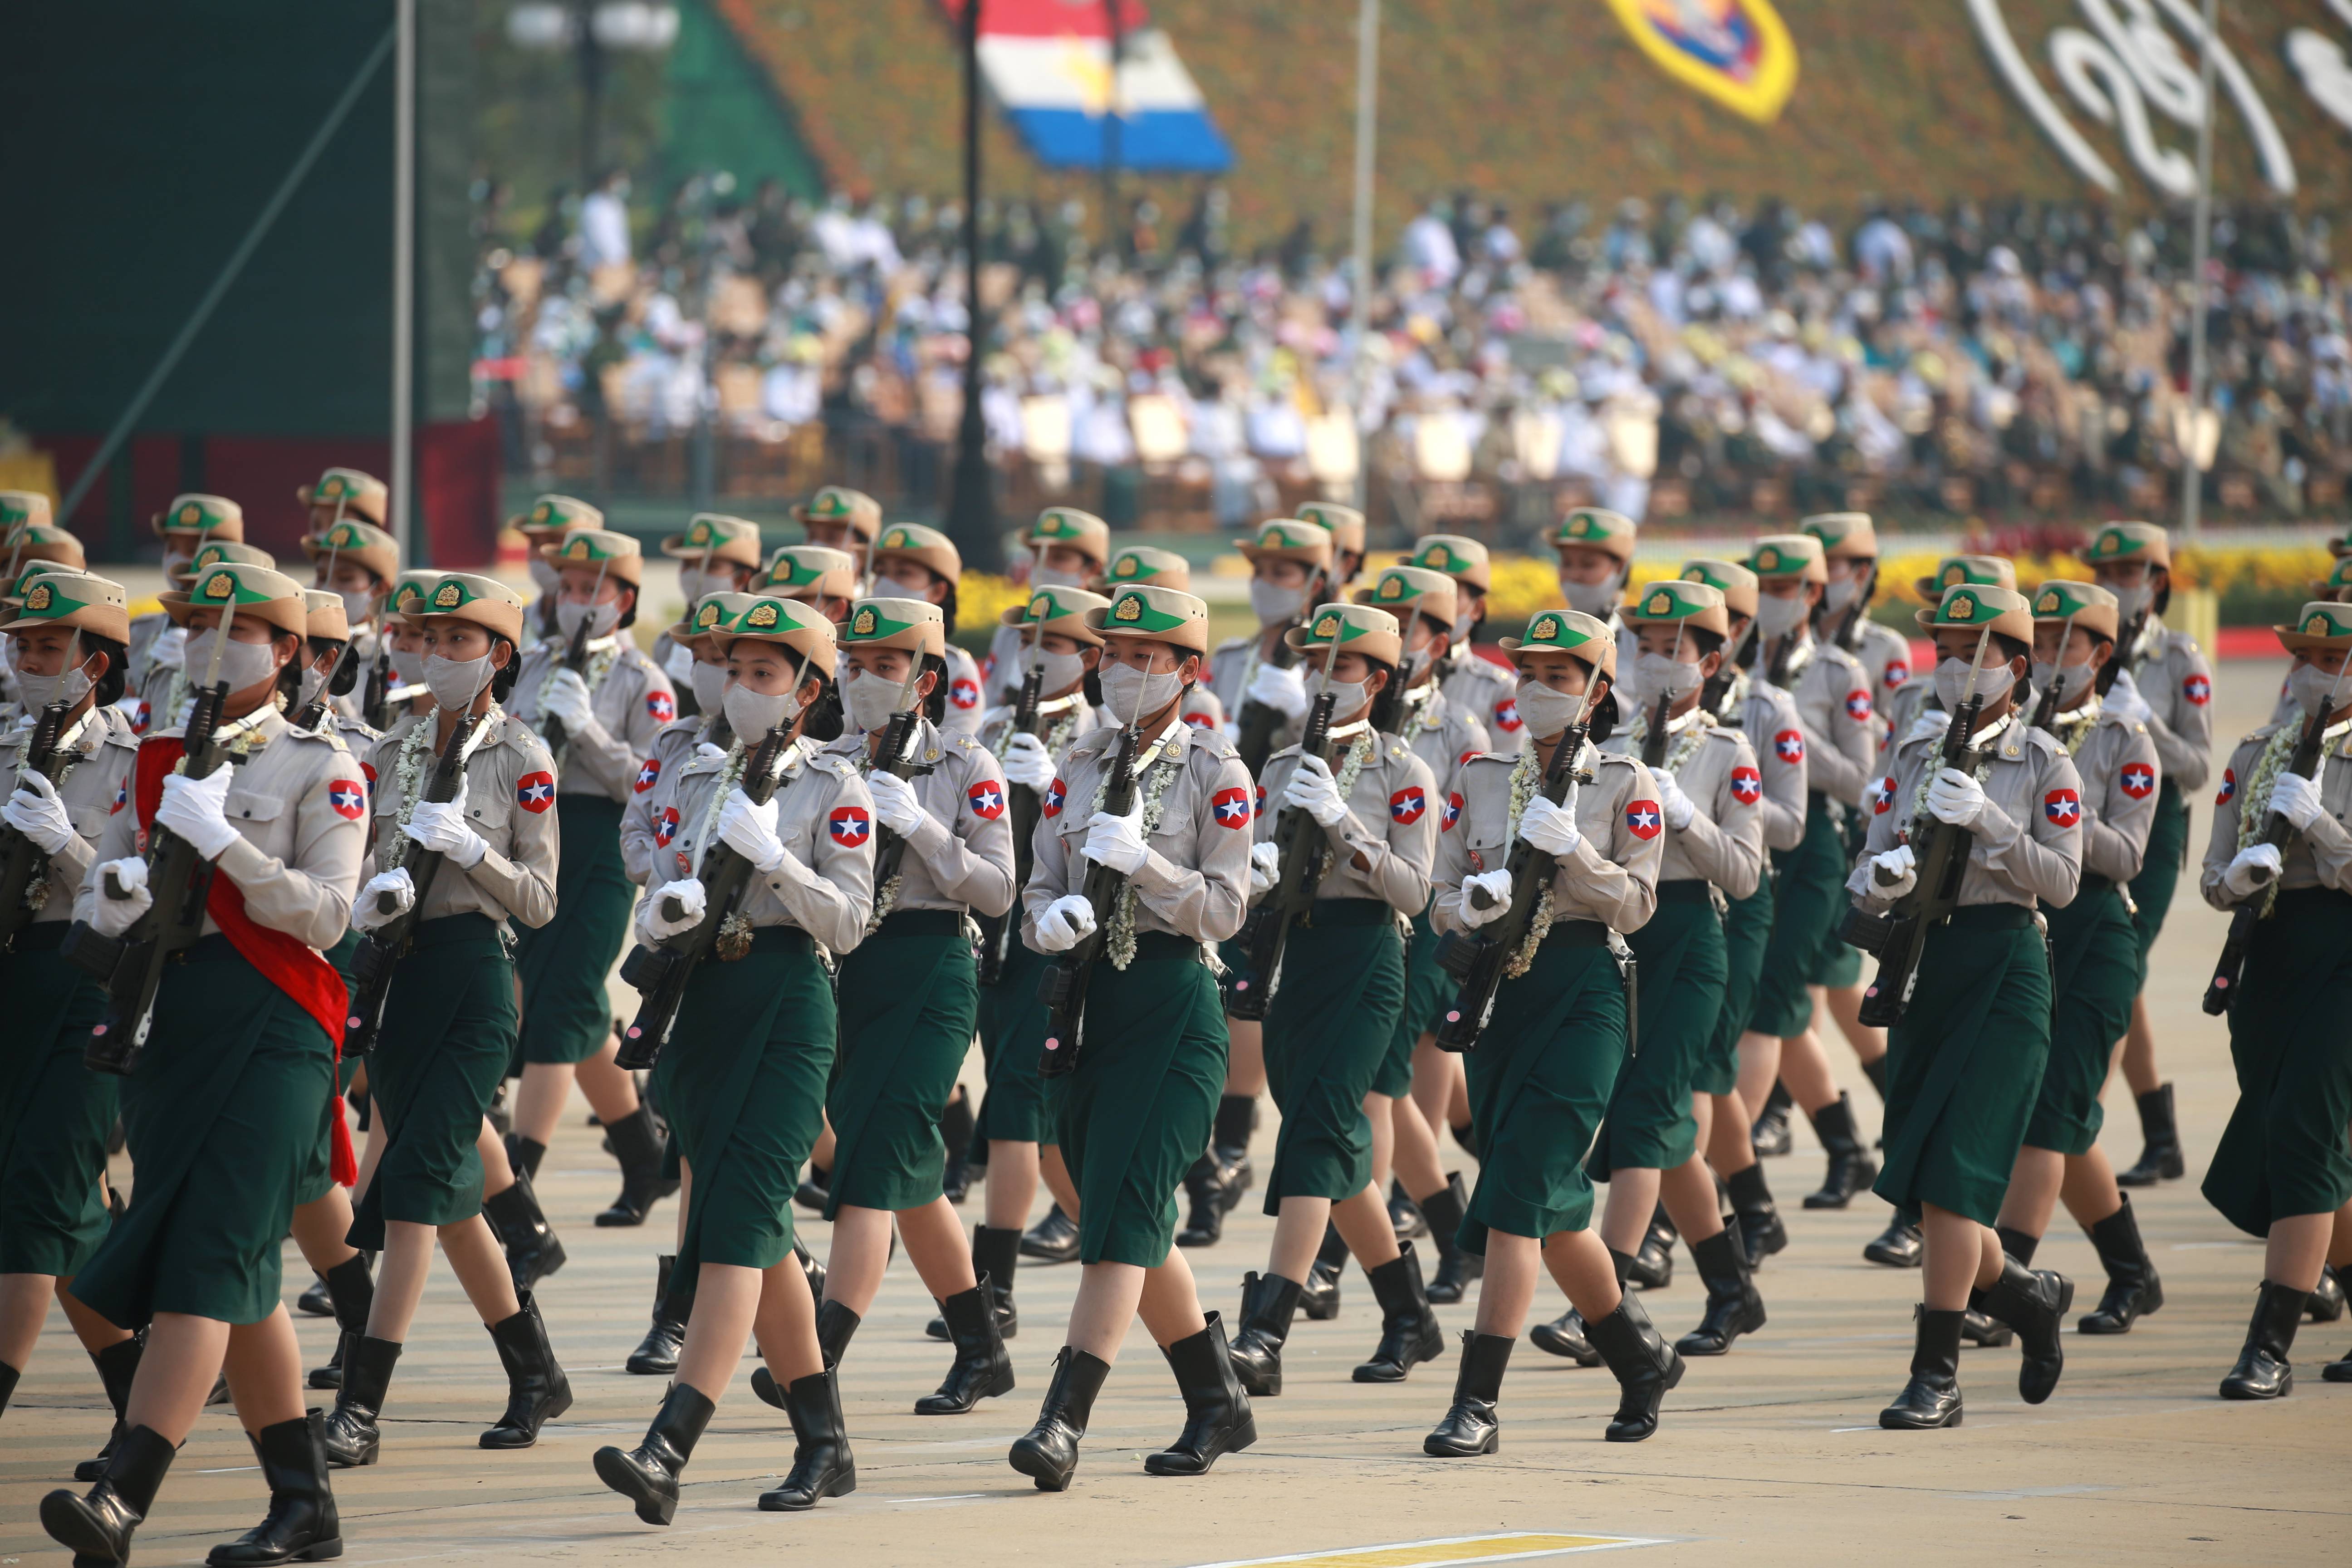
[971, 506]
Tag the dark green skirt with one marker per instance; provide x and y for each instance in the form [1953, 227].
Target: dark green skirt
[742, 1082]
[1136, 1111]
[1679, 972]
[2283, 1152]
[567, 1015]
[1809, 900]
[1011, 1035]
[1747, 932]
[1839, 966]
[1964, 1067]
[1427, 988]
[54, 1113]
[1540, 1077]
[222, 1111]
[2097, 975]
[908, 997]
[448, 1033]
[1327, 1032]
[319, 1170]
[2160, 868]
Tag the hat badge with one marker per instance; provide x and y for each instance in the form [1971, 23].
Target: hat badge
[2317, 626]
[1660, 603]
[897, 540]
[329, 488]
[1327, 627]
[1695, 574]
[707, 618]
[448, 597]
[1955, 575]
[579, 550]
[1545, 630]
[1126, 566]
[763, 615]
[38, 599]
[1767, 559]
[1130, 609]
[1391, 588]
[220, 585]
[1439, 557]
[866, 622]
[191, 512]
[1041, 608]
[541, 513]
[1963, 608]
[2049, 602]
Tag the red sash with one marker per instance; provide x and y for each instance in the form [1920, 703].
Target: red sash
[289, 964]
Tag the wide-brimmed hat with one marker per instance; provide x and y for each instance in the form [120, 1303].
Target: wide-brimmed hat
[1460, 558]
[323, 617]
[1845, 535]
[839, 503]
[1058, 609]
[2323, 623]
[216, 551]
[1289, 538]
[1789, 555]
[793, 623]
[257, 591]
[913, 541]
[205, 517]
[408, 588]
[1413, 590]
[1596, 528]
[1571, 632]
[1165, 614]
[1081, 531]
[1735, 581]
[29, 541]
[2088, 606]
[2121, 542]
[469, 596]
[621, 556]
[1345, 524]
[2336, 584]
[810, 572]
[20, 509]
[551, 516]
[354, 491]
[1970, 605]
[1698, 605]
[1143, 563]
[916, 625]
[69, 598]
[712, 615]
[1355, 629]
[734, 540]
[350, 540]
[1973, 571]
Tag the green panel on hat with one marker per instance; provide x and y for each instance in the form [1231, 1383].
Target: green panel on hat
[193, 515]
[1287, 536]
[869, 623]
[579, 547]
[1551, 630]
[13, 512]
[1665, 599]
[712, 615]
[1770, 561]
[223, 587]
[1131, 612]
[1044, 606]
[344, 536]
[1392, 587]
[1439, 558]
[790, 572]
[830, 503]
[767, 615]
[449, 594]
[1695, 573]
[2114, 541]
[2327, 620]
[1128, 566]
[47, 600]
[2061, 599]
[1335, 623]
[1056, 522]
[1583, 523]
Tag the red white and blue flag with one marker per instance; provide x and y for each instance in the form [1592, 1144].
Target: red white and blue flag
[1048, 64]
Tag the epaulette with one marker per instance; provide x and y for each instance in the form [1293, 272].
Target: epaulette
[327, 737]
[966, 742]
[1506, 759]
[1620, 758]
[835, 763]
[1397, 748]
[1208, 742]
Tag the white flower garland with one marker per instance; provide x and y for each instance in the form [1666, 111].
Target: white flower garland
[2253, 816]
[36, 891]
[1527, 783]
[1153, 781]
[1983, 771]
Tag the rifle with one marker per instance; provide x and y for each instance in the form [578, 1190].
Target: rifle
[2046, 709]
[1735, 658]
[1654, 740]
[22, 861]
[996, 931]
[2221, 991]
[891, 756]
[311, 714]
[1250, 988]
[575, 660]
[1258, 724]
[1899, 937]
[376, 701]
[1063, 988]
[1476, 958]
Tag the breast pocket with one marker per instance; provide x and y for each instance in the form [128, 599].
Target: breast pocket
[249, 805]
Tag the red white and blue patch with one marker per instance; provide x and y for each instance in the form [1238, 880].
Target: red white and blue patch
[1789, 745]
[1258, 806]
[987, 798]
[1882, 796]
[141, 717]
[662, 706]
[535, 791]
[2198, 688]
[649, 772]
[1857, 706]
[1453, 812]
[349, 799]
[1408, 804]
[122, 797]
[2228, 787]
[964, 692]
[1746, 785]
[1231, 808]
[1054, 796]
[2138, 780]
[666, 827]
[1642, 819]
[1897, 672]
[1199, 721]
[2063, 808]
[367, 772]
[1507, 716]
[850, 825]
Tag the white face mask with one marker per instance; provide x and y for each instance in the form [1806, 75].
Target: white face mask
[696, 584]
[1273, 604]
[408, 669]
[604, 618]
[456, 682]
[357, 608]
[1051, 577]
[752, 715]
[542, 575]
[2130, 602]
[868, 700]
[1952, 679]
[1547, 712]
[1348, 700]
[709, 684]
[69, 687]
[313, 682]
[2310, 686]
[1840, 594]
[1131, 694]
[1656, 676]
[2077, 678]
[1062, 671]
[243, 664]
[1776, 617]
[1463, 625]
[170, 647]
[1595, 599]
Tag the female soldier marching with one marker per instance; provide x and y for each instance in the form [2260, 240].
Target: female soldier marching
[1136, 1107]
[1543, 1066]
[448, 1028]
[1367, 803]
[223, 1101]
[743, 1078]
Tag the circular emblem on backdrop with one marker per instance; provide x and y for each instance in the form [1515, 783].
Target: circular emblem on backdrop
[865, 623]
[1130, 609]
[449, 596]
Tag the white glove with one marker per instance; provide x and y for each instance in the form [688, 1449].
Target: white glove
[112, 917]
[443, 827]
[750, 831]
[1497, 885]
[991, 717]
[367, 909]
[36, 812]
[692, 900]
[1929, 725]
[1116, 841]
[2123, 700]
[1895, 872]
[1284, 690]
[565, 699]
[1550, 828]
[2293, 797]
[679, 665]
[1068, 921]
[2253, 870]
[1266, 861]
[170, 648]
[894, 803]
[1313, 790]
[1677, 807]
[195, 809]
[710, 752]
[1028, 763]
[1956, 798]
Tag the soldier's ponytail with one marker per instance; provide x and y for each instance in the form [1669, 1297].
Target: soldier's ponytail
[824, 722]
[502, 684]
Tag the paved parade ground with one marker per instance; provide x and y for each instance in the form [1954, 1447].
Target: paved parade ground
[1771, 1455]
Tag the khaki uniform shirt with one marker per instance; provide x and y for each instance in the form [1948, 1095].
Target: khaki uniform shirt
[147, 679]
[1835, 708]
[1884, 655]
[960, 857]
[825, 818]
[1611, 875]
[1444, 734]
[2318, 856]
[628, 709]
[2119, 766]
[1194, 880]
[1488, 693]
[652, 806]
[510, 801]
[361, 655]
[1060, 722]
[1231, 666]
[964, 704]
[1724, 843]
[103, 750]
[2176, 680]
[1777, 738]
[1384, 848]
[300, 808]
[2028, 846]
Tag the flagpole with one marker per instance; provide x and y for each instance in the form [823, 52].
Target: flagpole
[972, 507]
[2193, 482]
[1359, 296]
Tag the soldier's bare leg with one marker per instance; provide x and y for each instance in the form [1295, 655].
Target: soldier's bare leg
[176, 1375]
[2089, 1191]
[1632, 1201]
[1414, 1155]
[2298, 1246]
[2139, 1050]
[1960, 1255]
[2034, 1182]
[1011, 1182]
[264, 1363]
[319, 1227]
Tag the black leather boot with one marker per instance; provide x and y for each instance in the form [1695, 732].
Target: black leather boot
[994, 1255]
[835, 1326]
[1318, 1296]
[300, 1526]
[2160, 1159]
[524, 1154]
[638, 1148]
[1980, 1329]
[1212, 1187]
[1470, 1427]
[1217, 1419]
[1932, 1397]
[2326, 1303]
[98, 1527]
[1405, 1216]
[811, 1270]
[533, 1251]
[1645, 1365]
[9, 1377]
[351, 1436]
[956, 1127]
[982, 1370]
[2338, 1370]
[1770, 1134]
[1456, 1269]
[1466, 1137]
[1900, 1245]
[2034, 1303]
[315, 1302]
[117, 1364]
[1875, 1070]
[537, 1390]
[1761, 1230]
[1410, 1333]
[1851, 1168]
[2263, 1371]
[1652, 1267]
[1566, 1336]
[2133, 1289]
[823, 1466]
[656, 1354]
[1733, 1306]
[1269, 1302]
[351, 1294]
[1048, 1452]
[814, 1188]
[1053, 1240]
[2017, 1244]
[647, 1474]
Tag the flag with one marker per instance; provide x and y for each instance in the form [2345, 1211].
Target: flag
[1048, 64]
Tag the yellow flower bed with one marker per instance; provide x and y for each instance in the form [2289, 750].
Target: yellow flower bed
[983, 596]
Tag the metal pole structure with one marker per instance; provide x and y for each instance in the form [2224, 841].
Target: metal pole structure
[1111, 148]
[2192, 479]
[591, 95]
[1359, 296]
[971, 506]
[400, 503]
